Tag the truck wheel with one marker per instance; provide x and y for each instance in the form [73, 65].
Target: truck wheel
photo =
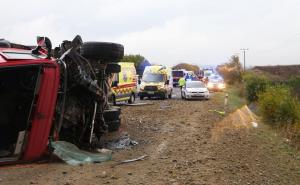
[131, 99]
[112, 68]
[112, 118]
[105, 51]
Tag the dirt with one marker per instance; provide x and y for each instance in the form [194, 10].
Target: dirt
[280, 72]
[187, 143]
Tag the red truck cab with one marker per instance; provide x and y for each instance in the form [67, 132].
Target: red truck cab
[28, 90]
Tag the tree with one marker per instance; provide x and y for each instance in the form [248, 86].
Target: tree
[139, 62]
[232, 70]
[136, 59]
[188, 67]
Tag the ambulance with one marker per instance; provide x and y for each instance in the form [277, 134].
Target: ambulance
[124, 84]
[157, 81]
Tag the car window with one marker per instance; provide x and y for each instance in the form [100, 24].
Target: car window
[10, 55]
[195, 85]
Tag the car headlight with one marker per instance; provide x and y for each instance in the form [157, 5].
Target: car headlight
[221, 86]
[161, 86]
[210, 85]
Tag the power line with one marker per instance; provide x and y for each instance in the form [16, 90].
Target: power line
[244, 50]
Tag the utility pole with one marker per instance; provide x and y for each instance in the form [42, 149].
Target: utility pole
[244, 50]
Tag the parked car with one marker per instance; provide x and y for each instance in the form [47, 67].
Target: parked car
[195, 90]
[47, 97]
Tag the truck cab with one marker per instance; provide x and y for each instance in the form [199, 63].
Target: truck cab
[48, 95]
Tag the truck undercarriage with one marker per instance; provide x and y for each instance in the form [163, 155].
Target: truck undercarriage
[82, 113]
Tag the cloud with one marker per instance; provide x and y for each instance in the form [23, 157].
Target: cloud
[169, 31]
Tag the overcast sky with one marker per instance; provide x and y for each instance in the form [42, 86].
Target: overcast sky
[167, 32]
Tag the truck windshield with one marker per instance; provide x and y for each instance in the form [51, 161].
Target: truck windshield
[153, 77]
[177, 73]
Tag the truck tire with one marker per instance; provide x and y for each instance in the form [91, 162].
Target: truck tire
[104, 51]
[112, 68]
[112, 118]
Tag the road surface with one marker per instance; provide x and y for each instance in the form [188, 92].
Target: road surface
[187, 142]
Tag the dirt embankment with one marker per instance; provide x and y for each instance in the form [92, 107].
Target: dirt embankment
[187, 143]
[282, 72]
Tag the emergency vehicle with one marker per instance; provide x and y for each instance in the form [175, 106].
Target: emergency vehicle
[157, 81]
[124, 84]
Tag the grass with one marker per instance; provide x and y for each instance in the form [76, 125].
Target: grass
[235, 101]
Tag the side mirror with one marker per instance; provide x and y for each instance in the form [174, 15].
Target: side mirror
[115, 84]
[112, 68]
[43, 42]
[167, 82]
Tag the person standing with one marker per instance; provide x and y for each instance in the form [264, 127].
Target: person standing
[181, 82]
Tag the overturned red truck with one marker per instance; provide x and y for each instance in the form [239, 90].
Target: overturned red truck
[55, 94]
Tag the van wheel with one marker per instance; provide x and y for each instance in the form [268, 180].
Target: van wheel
[104, 51]
[170, 95]
[131, 99]
[114, 101]
[164, 96]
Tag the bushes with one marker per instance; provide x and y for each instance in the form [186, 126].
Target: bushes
[231, 71]
[278, 107]
[277, 101]
[294, 83]
[254, 85]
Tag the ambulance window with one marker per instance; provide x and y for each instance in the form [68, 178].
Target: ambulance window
[115, 78]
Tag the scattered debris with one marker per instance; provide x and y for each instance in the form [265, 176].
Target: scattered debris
[123, 142]
[163, 106]
[254, 124]
[139, 104]
[104, 151]
[103, 174]
[131, 160]
[72, 155]
[222, 113]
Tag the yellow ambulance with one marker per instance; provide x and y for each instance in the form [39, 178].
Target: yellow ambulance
[157, 81]
[124, 84]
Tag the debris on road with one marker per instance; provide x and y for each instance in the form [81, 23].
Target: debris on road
[72, 155]
[139, 104]
[131, 160]
[254, 124]
[124, 142]
[222, 113]
[163, 106]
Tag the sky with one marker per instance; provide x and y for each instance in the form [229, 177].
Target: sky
[202, 32]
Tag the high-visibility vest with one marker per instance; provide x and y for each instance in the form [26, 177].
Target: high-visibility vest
[181, 82]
